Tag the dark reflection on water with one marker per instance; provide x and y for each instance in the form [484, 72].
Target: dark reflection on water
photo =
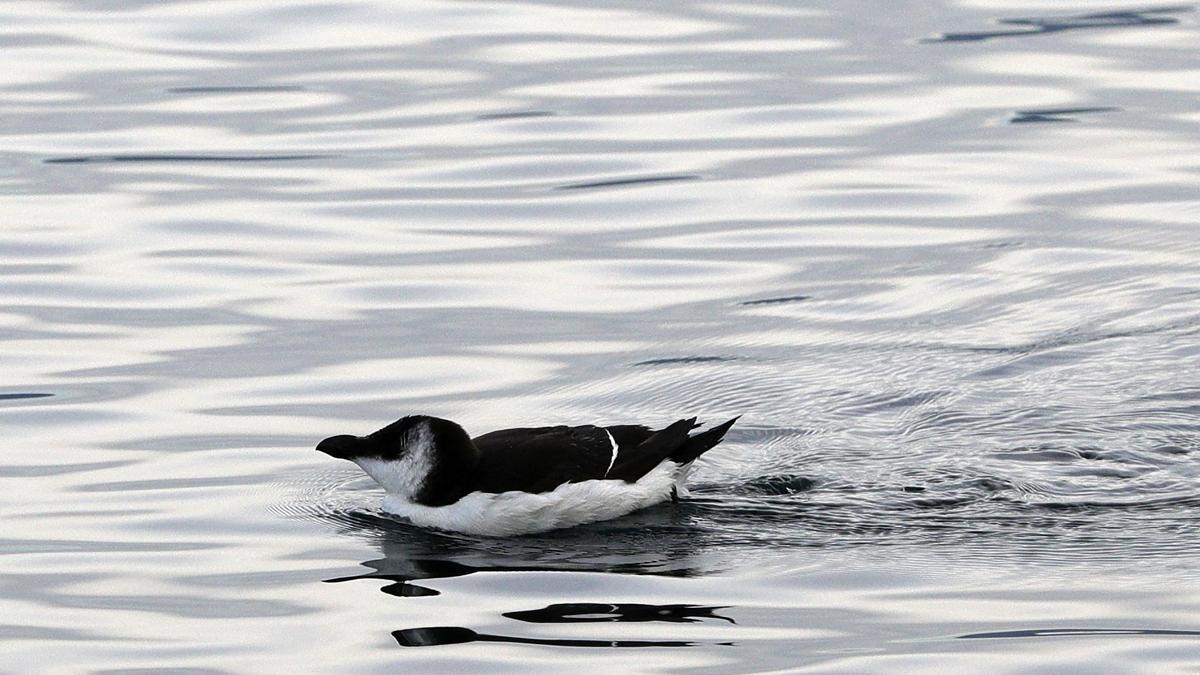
[683, 360]
[401, 570]
[656, 542]
[625, 182]
[449, 635]
[1054, 114]
[515, 115]
[594, 612]
[1044, 25]
[1078, 632]
[776, 301]
[30, 470]
[179, 157]
[412, 554]
[233, 89]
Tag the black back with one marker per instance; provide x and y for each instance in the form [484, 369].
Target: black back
[540, 459]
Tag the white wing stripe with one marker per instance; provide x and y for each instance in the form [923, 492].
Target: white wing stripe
[614, 453]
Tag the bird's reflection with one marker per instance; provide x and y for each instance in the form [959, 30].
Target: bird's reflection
[402, 571]
[655, 543]
[454, 635]
[594, 612]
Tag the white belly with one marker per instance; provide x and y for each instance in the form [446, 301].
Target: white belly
[568, 505]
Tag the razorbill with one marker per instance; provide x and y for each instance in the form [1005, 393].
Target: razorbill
[519, 481]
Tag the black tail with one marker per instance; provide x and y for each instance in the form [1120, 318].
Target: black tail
[671, 443]
[651, 452]
[701, 443]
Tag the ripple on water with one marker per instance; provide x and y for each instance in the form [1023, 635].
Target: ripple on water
[1132, 18]
[18, 396]
[1076, 632]
[176, 157]
[451, 635]
[626, 182]
[1054, 114]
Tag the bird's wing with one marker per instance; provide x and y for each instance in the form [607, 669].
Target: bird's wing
[540, 459]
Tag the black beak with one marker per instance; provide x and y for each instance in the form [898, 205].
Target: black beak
[342, 447]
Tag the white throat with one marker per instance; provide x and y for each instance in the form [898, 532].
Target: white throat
[405, 476]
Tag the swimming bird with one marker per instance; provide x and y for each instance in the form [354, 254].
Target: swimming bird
[520, 481]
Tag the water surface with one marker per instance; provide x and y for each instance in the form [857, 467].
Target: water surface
[942, 257]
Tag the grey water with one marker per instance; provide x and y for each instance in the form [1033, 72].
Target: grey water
[942, 257]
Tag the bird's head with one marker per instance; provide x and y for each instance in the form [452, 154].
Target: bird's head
[411, 458]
